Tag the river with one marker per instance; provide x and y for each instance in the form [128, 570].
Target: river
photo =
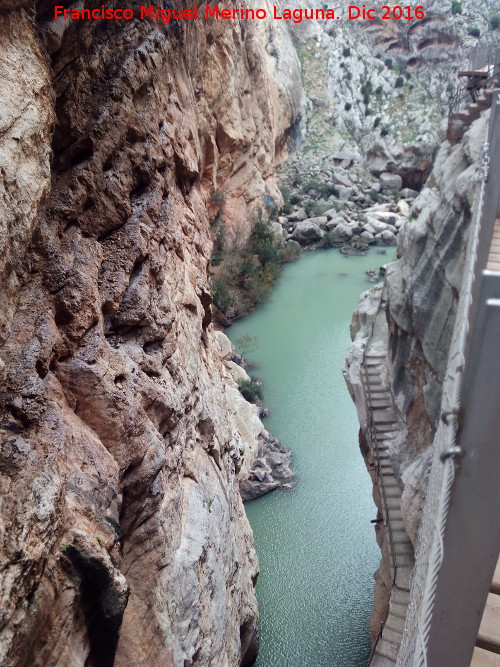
[315, 543]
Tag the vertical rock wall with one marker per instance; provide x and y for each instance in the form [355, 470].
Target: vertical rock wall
[124, 538]
[413, 327]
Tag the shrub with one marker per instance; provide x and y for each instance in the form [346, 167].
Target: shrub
[384, 132]
[347, 106]
[246, 344]
[400, 82]
[217, 197]
[329, 240]
[289, 252]
[376, 122]
[223, 297]
[346, 52]
[247, 270]
[474, 32]
[263, 243]
[456, 7]
[251, 389]
[388, 63]
[323, 189]
[286, 193]
[495, 21]
[295, 199]
[312, 208]
[374, 195]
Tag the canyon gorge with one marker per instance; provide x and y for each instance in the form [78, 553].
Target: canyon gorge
[130, 151]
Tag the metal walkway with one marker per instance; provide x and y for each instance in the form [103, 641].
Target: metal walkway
[383, 427]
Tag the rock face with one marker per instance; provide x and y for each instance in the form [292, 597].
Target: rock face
[124, 539]
[413, 328]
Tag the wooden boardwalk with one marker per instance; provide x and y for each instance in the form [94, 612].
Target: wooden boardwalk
[493, 263]
[384, 426]
[487, 651]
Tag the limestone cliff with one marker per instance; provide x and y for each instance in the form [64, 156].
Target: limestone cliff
[409, 321]
[380, 88]
[124, 539]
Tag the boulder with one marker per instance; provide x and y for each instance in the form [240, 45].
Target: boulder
[390, 182]
[404, 208]
[367, 237]
[342, 179]
[341, 234]
[223, 344]
[236, 372]
[300, 214]
[306, 232]
[293, 244]
[408, 193]
[375, 227]
[388, 238]
[318, 220]
[277, 231]
[344, 193]
[332, 213]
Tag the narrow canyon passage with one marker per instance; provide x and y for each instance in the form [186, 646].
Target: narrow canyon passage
[315, 543]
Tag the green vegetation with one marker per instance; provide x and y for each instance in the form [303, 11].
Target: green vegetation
[366, 91]
[346, 52]
[246, 344]
[323, 189]
[474, 32]
[400, 82]
[456, 7]
[251, 389]
[224, 298]
[245, 276]
[286, 194]
[329, 240]
[217, 197]
[65, 548]
[495, 21]
[388, 63]
[347, 106]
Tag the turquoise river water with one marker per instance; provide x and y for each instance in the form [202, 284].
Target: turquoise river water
[315, 543]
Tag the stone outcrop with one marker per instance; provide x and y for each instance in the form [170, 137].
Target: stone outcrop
[409, 322]
[124, 538]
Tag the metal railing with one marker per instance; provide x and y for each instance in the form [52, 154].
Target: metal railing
[490, 59]
[445, 590]
[372, 430]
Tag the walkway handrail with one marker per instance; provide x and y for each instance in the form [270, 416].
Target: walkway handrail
[462, 92]
[421, 623]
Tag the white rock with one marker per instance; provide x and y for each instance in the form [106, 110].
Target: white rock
[236, 372]
[298, 215]
[224, 344]
[366, 236]
[306, 232]
[390, 182]
[403, 207]
[388, 238]
[277, 231]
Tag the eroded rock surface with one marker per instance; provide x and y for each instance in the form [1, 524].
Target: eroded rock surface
[409, 321]
[124, 538]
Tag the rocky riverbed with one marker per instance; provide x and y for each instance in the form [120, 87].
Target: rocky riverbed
[347, 208]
